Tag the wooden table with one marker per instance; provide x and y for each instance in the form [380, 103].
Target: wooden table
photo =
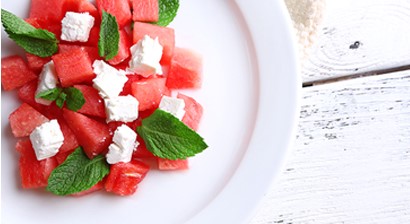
[351, 158]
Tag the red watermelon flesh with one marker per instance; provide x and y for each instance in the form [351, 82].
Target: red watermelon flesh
[94, 104]
[70, 141]
[98, 186]
[123, 48]
[62, 156]
[166, 164]
[24, 120]
[46, 23]
[127, 90]
[124, 178]
[51, 9]
[27, 95]
[149, 92]
[81, 6]
[193, 111]
[185, 70]
[118, 8]
[73, 67]
[91, 51]
[166, 37]
[92, 135]
[15, 72]
[145, 10]
[36, 63]
[33, 173]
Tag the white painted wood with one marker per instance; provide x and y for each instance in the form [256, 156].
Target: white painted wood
[351, 161]
[381, 29]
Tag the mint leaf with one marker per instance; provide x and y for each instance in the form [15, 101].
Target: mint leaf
[61, 99]
[77, 173]
[109, 36]
[51, 94]
[167, 11]
[167, 137]
[75, 99]
[35, 41]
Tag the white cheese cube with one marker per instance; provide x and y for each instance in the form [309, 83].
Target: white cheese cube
[124, 143]
[145, 58]
[47, 80]
[173, 106]
[76, 26]
[121, 108]
[109, 81]
[47, 139]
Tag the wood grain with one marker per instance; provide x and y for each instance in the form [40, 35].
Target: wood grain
[359, 37]
[351, 161]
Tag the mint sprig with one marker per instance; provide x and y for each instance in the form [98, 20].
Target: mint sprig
[167, 11]
[77, 173]
[168, 137]
[108, 44]
[35, 41]
[72, 97]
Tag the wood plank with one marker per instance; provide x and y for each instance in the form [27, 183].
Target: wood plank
[359, 37]
[351, 159]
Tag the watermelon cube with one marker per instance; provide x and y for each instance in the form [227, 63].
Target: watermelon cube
[33, 173]
[15, 72]
[81, 6]
[149, 92]
[193, 111]
[94, 104]
[166, 37]
[145, 10]
[62, 156]
[27, 93]
[167, 164]
[185, 70]
[46, 23]
[36, 63]
[123, 50]
[119, 8]
[25, 119]
[124, 178]
[51, 9]
[91, 51]
[92, 135]
[70, 141]
[73, 67]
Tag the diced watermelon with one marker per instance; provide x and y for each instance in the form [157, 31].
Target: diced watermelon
[166, 164]
[92, 135]
[51, 9]
[73, 67]
[36, 63]
[62, 156]
[46, 23]
[94, 104]
[166, 37]
[27, 93]
[149, 92]
[185, 70]
[118, 8]
[126, 90]
[123, 48]
[52, 111]
[193, 111]
[145, 10]
[25, 119]
[91, 51]
[142, 151]
[98, 186]
[81, 6]
[33, 173]
[94, 37]
[15, 72]
[70, 141]
[124, 178]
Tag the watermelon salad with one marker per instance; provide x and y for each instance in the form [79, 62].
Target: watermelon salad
[99, 87]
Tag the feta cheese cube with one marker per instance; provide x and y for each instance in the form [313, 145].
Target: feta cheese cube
[47, 139]
[121, 108]
[173, 106]
[146, 55]
[76, 26]
[124, 143]
[47, 80]
[109, 80]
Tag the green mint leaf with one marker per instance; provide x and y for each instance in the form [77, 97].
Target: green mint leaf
[109, 36]
[167, 137]
[51, 94]
[75, 99]
[35, 41]
[61, 99]
[77, 173]
[167, 11]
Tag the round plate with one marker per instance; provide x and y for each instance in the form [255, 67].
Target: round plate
[249, 94]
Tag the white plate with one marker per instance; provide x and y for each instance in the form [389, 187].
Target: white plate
[249, 93]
